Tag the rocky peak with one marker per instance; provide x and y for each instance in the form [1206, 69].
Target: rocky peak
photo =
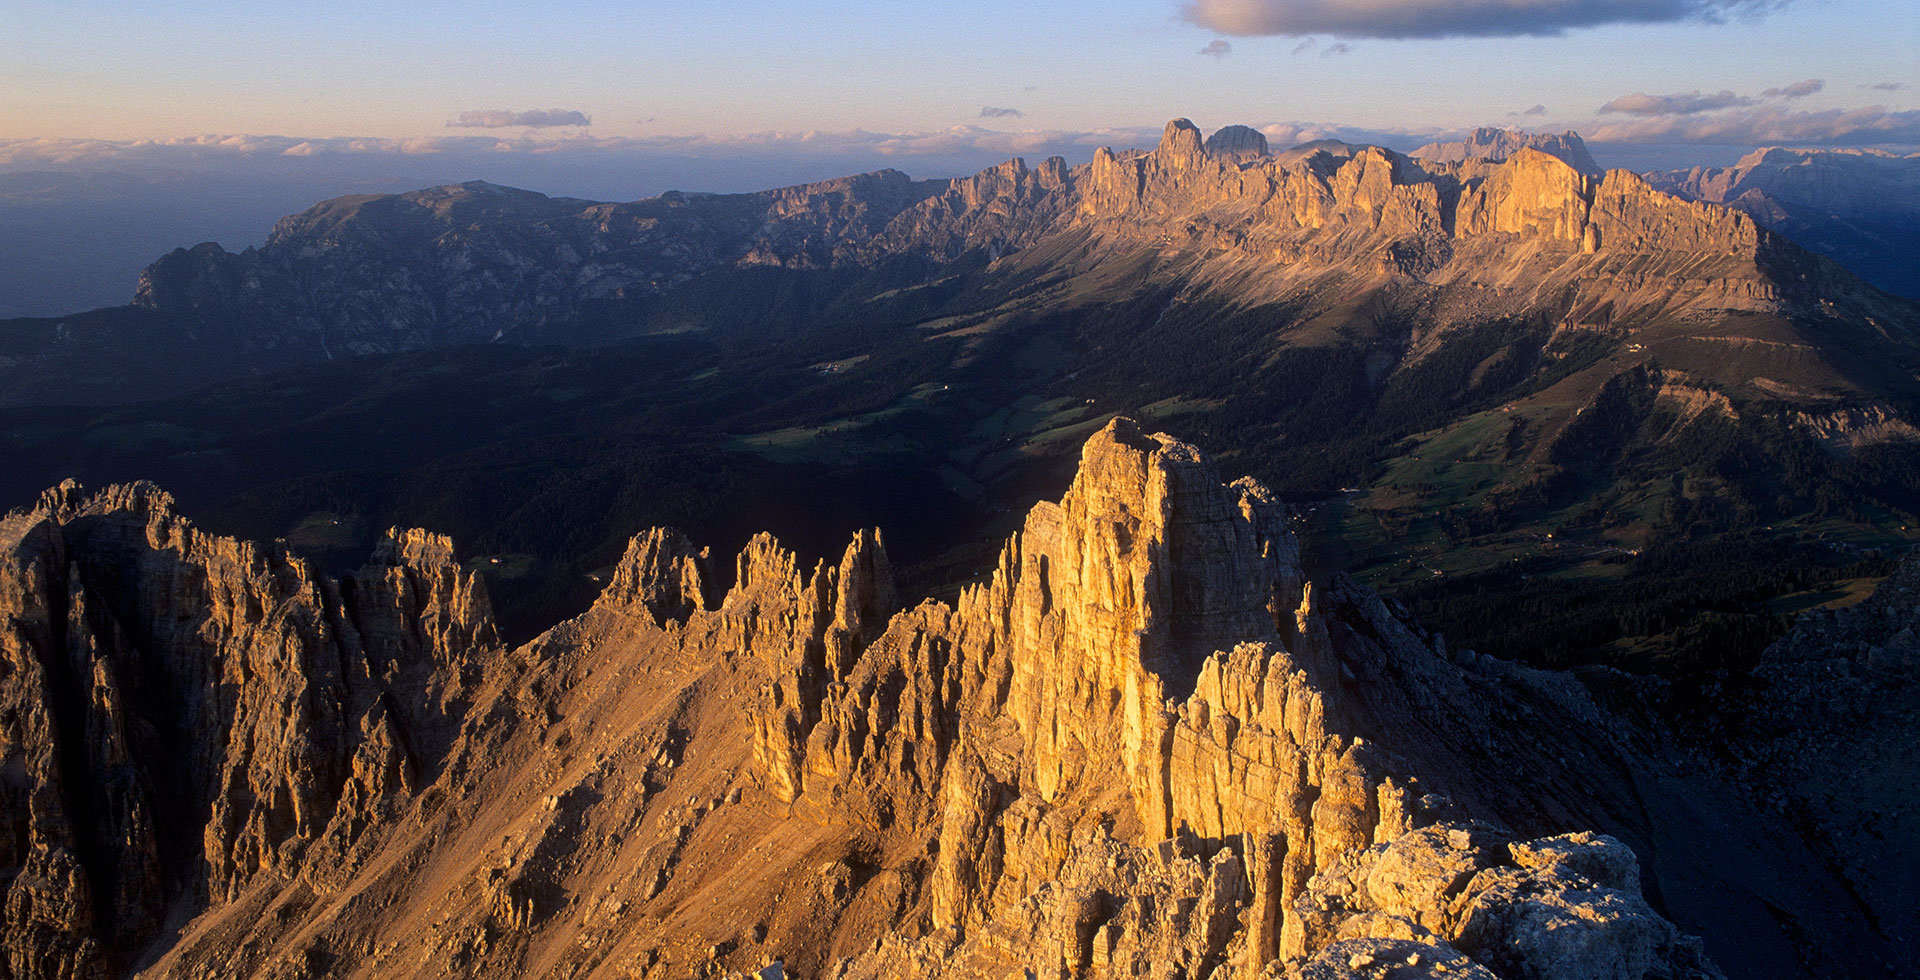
[661, 573]
[1190, 564]
[414, 548]
[1495, 145]
[245, 714]
[1180, 146]
[1237, 144]
[1141, 746]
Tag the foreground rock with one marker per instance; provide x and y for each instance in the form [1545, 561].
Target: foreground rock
[1142, 745]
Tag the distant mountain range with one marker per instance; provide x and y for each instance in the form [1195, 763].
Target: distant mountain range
[477, 263]
[1859, 207]
[1523, 367]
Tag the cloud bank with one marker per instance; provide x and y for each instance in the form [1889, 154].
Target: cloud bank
[1683, 104]
[16, 153]
[999, 112]
[1771, 126]
[1726, 118]
[1451, 18]
[1217, 48]
[535, 118]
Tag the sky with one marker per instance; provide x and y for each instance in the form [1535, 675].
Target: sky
[220, 115]
[161, 70]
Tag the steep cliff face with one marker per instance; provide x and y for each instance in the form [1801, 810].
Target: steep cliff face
[1859, 207]
[186, 713]
[1141, 745]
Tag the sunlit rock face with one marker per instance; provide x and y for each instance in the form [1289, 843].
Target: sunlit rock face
[479, 263]
[1142, 744]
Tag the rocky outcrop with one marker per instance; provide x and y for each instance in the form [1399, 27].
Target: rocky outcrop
[1142, 744]
[187, 713]
[1843, 430]
[1080, 743]
[1237, 144]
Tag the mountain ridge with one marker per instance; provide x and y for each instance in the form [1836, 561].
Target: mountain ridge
[1857, 206]
[455, 264]
[1146, 744]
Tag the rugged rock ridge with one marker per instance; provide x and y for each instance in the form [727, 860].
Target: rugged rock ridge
[1141, 745]
[186, 714]
[477, 263]
[1494, 145]
[1859, 207]
[1291, 844]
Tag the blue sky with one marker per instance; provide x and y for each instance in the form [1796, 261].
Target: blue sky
[145, 70]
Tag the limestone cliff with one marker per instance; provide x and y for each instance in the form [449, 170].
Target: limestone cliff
[187, 714]
[1142, 745]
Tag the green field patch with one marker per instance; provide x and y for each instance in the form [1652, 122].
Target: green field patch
[1171, 407]
[510, 565]
[1076, 433]
[1839, 595]
[326, 530]
[835, 367]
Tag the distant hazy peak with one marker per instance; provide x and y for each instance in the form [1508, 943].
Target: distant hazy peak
[1872, 185]
[1495, 145]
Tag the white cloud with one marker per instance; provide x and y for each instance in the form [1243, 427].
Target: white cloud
[1679, 104]
[1798, 90]
[1770, 125]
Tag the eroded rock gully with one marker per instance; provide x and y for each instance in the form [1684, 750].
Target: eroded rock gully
[1142, 745]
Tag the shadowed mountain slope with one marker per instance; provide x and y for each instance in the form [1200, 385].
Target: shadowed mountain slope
[1859, 207]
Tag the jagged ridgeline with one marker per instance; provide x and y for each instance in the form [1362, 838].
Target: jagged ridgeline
[1546, 382]
[1144, 745]
[1500, 224]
